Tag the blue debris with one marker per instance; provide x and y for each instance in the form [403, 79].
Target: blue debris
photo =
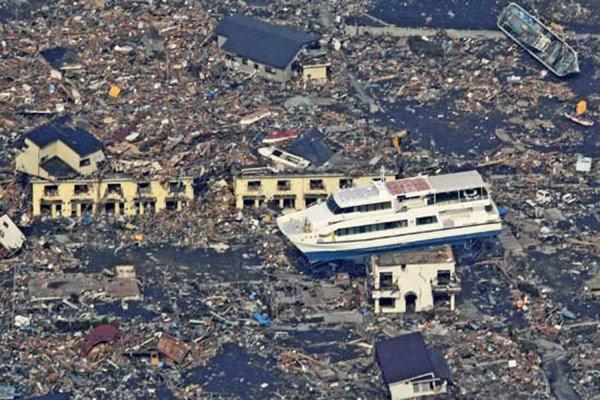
[261, 318]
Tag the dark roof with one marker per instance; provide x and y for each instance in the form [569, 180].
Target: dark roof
[58, 168]
[81, 141]
[100, 334]
[57, 57]
[311, 146]
[407, 356]
[261, 42]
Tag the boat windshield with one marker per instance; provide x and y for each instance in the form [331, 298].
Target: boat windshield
[333, 206]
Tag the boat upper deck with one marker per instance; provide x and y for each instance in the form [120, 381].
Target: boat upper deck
[409, 187]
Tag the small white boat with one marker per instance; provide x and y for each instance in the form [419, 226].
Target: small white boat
[283, 157]
[412, 212]
[255, 116]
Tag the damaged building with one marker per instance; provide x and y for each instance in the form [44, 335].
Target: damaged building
[260, 186]
[55, 151]
[11, 237]
[269, 51]
[115, 195]
[413, 281]
[410, 368]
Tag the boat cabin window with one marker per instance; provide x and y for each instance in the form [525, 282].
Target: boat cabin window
[447, 197]
[336, 209]
[427, 220]
[371, 228]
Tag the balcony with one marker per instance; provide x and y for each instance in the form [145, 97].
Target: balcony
[446, 284]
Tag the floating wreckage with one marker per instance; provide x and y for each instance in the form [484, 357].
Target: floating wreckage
[539, 41]
[578, 116]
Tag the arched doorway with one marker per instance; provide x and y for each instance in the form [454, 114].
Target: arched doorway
[411, 302]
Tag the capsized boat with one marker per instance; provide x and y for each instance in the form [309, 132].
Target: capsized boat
[578, 116]
[539, 41]
[282, 157]
[384, 216]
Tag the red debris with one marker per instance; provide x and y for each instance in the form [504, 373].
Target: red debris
[100, 334]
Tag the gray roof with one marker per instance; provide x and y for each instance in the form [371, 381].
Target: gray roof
[79, 140]
[407, 356]
[460, 180]
[259, 41]
[311, 146]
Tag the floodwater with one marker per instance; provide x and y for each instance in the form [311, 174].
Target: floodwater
[236, 373]
[468, 14]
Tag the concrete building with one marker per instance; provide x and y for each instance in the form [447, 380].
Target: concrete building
[256, 187]
[410, 369]
[56, 151]
[11, 237]
[315, 72]
[256, 47]
[116, 195]
[413, 281]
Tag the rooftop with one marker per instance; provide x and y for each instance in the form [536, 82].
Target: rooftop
[358, 194]
[407, 356]
[408, 185]
[79, 140]
[429, 255]
[460, 180]
[262, 42]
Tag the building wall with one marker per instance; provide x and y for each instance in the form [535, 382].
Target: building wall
[299, 188]
[64, 202]
[32, 156]
[11, 238]
[412, 278]
[406, 390]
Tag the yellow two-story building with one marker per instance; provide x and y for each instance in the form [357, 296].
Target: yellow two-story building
[255, 187]
[57, 151]
[114, 195]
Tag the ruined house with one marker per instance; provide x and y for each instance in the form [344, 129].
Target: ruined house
[11, 237]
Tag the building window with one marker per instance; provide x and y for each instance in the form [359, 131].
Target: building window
[176, 187]
[316, 184]
[283, 185]
[144, 187]
[254, 186]
[346, 183]
[85, 162]
[427, 220]
[387, 302]
[171, 205]
[386, 280]
[289, 202]
[114, 188]
[80, 189]
[51, 190]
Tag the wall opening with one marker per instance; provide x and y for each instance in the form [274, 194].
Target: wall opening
[411, 302]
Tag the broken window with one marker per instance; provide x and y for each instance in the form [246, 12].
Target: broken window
[171, 205]
[316, 184]
[387, 302]
[144, 187]
[283, 185]
[386, 280]
[46, 209]
[289, 202]
[114, 188]
[443, 277]
[81, 189]
[51, 190]
[346, 183]
[122, 208]
[411, 302]
[58, 209]
[86, 208]
[176, 187]
[109, 208]
[254, 185]
[248, 202]
[85, 162]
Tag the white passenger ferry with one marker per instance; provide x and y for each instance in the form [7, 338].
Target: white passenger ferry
[411, 212]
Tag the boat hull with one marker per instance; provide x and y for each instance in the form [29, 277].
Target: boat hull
[338, 251]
